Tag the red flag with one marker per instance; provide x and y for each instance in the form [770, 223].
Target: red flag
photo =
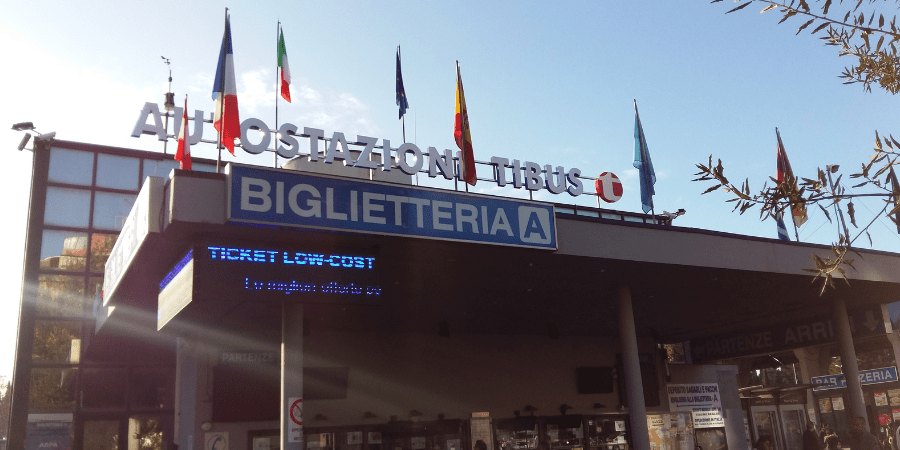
[184, 141]
[462, 134]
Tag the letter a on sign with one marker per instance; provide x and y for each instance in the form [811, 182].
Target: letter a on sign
[534, 225]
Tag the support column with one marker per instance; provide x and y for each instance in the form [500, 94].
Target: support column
[848, 359]
[193, 405]
[894, 339]
[292, 376]
[810, 366]
[634, 386]
[21, 380]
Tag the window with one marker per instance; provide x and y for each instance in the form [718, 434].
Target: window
[71, 166]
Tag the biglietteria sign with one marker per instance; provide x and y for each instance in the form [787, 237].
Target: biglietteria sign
[408, 157]
[282, 197]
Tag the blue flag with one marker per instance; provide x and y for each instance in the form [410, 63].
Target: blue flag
[643, 164]
[782, 230]
[401, 93]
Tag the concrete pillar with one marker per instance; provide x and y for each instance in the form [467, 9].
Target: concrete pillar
[634, 386]
[810, 362]
[848, 360]
[193, 406]
[292, 376]
[894, 339]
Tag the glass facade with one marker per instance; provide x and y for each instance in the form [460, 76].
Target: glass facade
[114, 397]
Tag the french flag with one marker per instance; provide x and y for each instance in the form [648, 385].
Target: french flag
[183, 153]
[227, 122]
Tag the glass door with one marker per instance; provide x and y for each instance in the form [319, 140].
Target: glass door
[793, 422]
[765, 423]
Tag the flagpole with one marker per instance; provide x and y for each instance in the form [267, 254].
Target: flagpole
[221, 105]
[277, 89]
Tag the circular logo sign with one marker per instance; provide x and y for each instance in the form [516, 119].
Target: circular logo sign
[297, 411]
[609, 188]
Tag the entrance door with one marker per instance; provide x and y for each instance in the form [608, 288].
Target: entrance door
[765, 423]
[793, 422]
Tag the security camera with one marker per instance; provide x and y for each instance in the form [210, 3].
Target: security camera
[24, 142]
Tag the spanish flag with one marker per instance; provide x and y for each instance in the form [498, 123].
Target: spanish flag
[798, 211]
[462, 135]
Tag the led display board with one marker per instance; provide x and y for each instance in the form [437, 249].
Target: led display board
[214, 273]
[291, 198]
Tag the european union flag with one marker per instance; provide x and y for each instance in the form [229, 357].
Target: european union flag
[401, 93]
[643, 164]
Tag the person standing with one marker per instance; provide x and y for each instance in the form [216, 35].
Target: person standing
[811, 440]
[860, 437]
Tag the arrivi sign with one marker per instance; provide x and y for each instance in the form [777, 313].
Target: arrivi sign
[408, 157]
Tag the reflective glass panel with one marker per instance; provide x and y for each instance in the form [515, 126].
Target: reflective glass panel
[57, 341]
[94, 294]
[60, 295]
[204, 167]
[52, 390]
[793, 429]
[67, 207]
[145, 433]
[101, 245]
[104, 388]
[159, 168]
[111, 210]
[117, 172]
[63, 250]
[101, 435]
[71, 166]
[152, 388]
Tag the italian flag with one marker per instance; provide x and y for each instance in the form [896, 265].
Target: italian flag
[285, 79]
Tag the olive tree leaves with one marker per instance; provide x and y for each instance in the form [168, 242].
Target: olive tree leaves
[824, 191]
[854, 34]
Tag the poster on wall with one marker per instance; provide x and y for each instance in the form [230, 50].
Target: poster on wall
[480, 424]
[881, 399]
[707, 417]
[894, 396]
[895, 413]
[374, 437]
[825, 405]
[670, 431]
[49, 431]
[354, 437]
[837, 403]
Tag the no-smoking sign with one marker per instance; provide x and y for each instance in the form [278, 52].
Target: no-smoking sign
[296, 410]
[295, 426]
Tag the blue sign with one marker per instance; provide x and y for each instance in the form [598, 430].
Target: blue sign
[874, 376]
[279, 197]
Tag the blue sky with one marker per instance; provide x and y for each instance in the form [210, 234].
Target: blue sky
[552, 84]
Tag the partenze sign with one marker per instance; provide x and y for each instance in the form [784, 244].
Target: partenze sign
[283, 197]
